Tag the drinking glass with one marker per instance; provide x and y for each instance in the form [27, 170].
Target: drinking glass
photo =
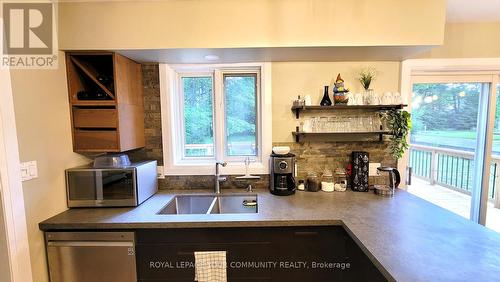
[331, 124]
[314, 124]
[342, 124]
[350, 99]
[358, 99]
[350, 124]
[376, 122]
[396, 98]
[307, 126]
[323, 121]
[360, 124]
[368, 123]
[369, 97]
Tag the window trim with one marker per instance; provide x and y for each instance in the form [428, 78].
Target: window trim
[170, 114]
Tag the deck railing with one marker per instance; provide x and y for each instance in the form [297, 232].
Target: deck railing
[244, 148]
[451, 168]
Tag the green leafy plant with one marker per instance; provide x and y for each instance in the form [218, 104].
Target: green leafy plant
[399, 124]
[366, 77]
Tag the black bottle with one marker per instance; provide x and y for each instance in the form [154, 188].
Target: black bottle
[326, 100]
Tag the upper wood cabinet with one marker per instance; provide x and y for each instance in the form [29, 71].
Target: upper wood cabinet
[106, 102]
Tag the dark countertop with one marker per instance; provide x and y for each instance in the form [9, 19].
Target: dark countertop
[407, 238]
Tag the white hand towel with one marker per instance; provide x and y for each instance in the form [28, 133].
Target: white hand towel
[210, 266]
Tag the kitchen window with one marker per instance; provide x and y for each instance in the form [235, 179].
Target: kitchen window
[215, 113]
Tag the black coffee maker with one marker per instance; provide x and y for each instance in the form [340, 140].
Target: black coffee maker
[281, 180]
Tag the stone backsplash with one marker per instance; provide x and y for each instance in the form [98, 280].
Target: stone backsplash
[311, 156]
[318, 156]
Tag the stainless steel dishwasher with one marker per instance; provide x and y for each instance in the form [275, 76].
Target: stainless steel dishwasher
[91, 256]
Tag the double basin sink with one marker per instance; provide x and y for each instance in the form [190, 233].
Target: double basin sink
[211, 204]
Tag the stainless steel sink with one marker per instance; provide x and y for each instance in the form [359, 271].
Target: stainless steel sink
[211, 204]
[235, 204]
[187, 204]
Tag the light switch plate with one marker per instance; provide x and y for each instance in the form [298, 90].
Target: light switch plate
[29, 170]
[159, 172]
[373, 169]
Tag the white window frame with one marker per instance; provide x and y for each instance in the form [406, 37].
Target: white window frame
[171, 112]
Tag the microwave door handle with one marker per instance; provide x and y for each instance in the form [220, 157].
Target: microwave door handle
[98, 185]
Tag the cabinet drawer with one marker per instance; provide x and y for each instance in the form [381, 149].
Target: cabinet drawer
[96, 140]
[94, 118]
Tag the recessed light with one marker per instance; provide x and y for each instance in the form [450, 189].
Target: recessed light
[211, 57]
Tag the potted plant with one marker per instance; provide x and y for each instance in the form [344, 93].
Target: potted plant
[398, 123]
[366, 77]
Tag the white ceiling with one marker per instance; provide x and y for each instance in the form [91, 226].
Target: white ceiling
[473, 11]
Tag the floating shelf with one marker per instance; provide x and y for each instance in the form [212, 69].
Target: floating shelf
[300, 134]
[94, 103]
[297, 109]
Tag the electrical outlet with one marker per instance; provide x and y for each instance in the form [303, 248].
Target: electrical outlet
[372, 170]
[29, 170]
[159, 172]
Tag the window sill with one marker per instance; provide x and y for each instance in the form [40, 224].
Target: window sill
[235, 168]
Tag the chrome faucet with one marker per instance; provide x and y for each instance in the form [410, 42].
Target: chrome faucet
[218, 178]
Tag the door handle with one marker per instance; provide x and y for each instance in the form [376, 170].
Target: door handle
[408, 179]
[89, 244]
[305, 233]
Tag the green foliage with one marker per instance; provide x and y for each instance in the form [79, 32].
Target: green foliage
[240, 106]
[445, 106]
[399, 123]
[198, 113]
[366, 76]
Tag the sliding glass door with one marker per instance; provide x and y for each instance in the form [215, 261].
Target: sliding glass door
[443, 141]
[449, 143]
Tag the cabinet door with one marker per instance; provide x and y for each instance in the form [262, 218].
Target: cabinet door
[362, 269]
[171, 258]
[169, 262]
[308, 254]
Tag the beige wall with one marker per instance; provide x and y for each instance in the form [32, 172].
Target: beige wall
[243, 23]
[290, 79]
[468, 40]
[44, 134]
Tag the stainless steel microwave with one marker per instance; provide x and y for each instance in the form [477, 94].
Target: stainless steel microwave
[87, 186]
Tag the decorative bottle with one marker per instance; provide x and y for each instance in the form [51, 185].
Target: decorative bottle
[326, 100]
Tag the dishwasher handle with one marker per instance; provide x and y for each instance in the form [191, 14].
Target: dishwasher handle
[89, 244]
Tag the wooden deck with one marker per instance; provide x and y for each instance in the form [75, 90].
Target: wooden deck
[453, 201]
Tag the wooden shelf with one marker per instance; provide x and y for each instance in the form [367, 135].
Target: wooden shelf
[94, 103]
[297, 109]
[92, 74]
[331, 135]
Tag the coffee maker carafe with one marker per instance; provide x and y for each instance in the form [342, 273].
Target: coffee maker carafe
[281, 180]
[394, 180]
